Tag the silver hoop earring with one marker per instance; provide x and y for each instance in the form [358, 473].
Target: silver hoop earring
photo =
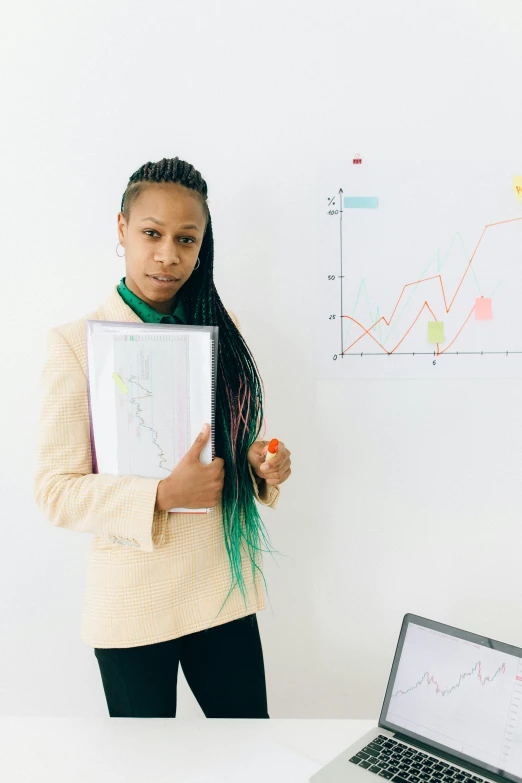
[196, 266]
[120, 256]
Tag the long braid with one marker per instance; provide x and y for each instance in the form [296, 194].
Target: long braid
[239, 392]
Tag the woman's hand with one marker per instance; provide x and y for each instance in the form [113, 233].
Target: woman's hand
[277, 469]
[192, 484]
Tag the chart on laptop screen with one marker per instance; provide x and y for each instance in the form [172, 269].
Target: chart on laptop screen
[460, 694]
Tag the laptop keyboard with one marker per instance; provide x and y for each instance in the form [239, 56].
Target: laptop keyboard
[403, 764]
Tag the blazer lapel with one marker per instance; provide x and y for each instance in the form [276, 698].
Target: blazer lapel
[115, 309]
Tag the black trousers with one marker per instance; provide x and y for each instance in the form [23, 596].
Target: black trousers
[223, 666]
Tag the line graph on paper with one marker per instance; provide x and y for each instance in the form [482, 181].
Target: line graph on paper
[421, 270]
[151, 403]
[460, 694]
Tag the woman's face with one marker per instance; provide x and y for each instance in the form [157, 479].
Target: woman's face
[162, 238]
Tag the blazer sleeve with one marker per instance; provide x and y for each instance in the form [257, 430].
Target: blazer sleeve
[267, 494]
[117, 508]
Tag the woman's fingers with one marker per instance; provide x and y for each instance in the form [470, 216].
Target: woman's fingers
[279, 480]
[278, 472]
[277, 469]
[272, 470]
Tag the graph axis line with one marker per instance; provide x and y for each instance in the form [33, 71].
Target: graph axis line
[426, 304]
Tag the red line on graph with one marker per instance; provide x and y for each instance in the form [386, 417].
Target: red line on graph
[446, 306]
[429, 679]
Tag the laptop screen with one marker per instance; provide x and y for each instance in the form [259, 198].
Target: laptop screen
[457, 692]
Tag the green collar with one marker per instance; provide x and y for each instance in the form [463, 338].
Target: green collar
[147, 313]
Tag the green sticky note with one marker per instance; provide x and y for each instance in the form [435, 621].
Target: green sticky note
[435, 331]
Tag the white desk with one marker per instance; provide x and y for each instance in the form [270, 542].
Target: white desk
[176, 750]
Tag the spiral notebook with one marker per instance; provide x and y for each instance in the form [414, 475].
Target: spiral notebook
[151, 387]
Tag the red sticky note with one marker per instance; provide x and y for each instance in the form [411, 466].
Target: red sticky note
[483, 311]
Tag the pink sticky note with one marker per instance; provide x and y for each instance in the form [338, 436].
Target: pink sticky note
[483, 310]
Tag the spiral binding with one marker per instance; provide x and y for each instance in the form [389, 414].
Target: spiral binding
[213, 401]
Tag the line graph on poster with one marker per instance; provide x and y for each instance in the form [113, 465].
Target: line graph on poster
[421, 270]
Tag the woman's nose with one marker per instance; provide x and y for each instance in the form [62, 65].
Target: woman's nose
[168, 255]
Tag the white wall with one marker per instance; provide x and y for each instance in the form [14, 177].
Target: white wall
[254, 95]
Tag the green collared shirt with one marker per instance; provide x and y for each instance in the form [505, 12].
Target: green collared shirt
[147, 313]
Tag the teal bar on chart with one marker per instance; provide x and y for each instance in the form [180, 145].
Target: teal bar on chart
[361, 202]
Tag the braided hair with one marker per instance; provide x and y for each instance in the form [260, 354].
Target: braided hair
[239, 388]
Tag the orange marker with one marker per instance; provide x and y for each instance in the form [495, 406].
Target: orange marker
[272, 449]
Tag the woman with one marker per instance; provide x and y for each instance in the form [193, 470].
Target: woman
[165, 588]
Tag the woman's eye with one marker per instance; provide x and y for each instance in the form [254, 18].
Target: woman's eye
[150, 231]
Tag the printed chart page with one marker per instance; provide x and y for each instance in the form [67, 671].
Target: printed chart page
[152, 406]
[420, 269]
[150, 392]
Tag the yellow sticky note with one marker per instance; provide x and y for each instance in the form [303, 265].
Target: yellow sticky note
[119, 383]
[435, 331]
[517, 184]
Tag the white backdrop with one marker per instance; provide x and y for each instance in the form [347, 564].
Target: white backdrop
[389, 509]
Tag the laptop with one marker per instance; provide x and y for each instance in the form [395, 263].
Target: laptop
[452, 713]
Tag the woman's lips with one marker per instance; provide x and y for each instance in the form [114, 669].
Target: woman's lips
[163, 283]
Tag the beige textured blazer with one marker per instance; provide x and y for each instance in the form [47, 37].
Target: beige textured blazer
[151, 575]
